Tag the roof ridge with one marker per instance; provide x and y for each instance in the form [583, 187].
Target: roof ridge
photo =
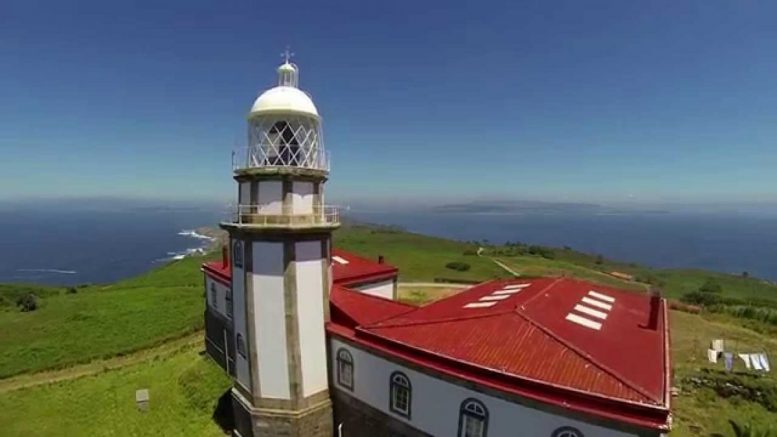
[623, 380]
[433, 321]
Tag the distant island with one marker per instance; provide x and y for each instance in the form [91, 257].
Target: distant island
[535, 207]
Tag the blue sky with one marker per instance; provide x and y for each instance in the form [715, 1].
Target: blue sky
[614, 101]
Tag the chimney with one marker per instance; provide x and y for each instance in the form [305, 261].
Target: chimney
[224, 257]
[655, 306]
[380, 259]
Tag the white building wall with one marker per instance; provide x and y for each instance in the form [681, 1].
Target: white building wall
[310, 309]
[220, 303]
[435, 403]
[270, 320]
[270, 199]
[242, 370]
[383, 289]
[302, 193]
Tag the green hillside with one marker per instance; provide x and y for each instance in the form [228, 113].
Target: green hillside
[103, 321]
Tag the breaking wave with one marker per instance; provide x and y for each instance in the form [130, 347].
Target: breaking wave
[61, 272]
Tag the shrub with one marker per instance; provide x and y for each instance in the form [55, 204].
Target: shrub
[470, 252]
[458, 266]
[541, 251]
[599, 260]
[72, 290]
[27, 302]
[699, 298]
[711, 286]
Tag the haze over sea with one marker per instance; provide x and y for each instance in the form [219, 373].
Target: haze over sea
[73, 244]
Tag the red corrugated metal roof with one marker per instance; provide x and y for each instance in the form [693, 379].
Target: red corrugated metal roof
[352, 308]
[349, 269]
[522, 341]
[218, 271]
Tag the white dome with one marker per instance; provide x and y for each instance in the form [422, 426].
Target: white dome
[284, 99]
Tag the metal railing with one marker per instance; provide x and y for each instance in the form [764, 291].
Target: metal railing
[258, 216]
[272, 155]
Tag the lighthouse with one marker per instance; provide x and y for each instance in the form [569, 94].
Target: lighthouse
[280, 241]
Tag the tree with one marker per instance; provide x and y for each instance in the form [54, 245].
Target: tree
[711, 286]
[745, 274]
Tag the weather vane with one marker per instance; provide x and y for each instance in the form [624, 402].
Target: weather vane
[286, 55]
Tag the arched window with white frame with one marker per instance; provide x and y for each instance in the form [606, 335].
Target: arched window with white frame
[345, 369]
[401, 394]
[473, 418]
[567, 431]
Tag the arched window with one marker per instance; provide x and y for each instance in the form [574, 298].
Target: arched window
[237, 253]
[401, 394]
[345, 369]
[473, 419]
[214, 296]
[241, 345]
[567, 431]
[228, 299]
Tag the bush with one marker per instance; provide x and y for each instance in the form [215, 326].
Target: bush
[599, 260]
[711, 286]
[72, 290]
[542, 251]
[699, 298]
[27, 302]
[458, 266]
[470, 252]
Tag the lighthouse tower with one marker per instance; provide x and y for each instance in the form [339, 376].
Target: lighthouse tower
[280, 239]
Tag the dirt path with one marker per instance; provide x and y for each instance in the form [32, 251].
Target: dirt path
[504, 266]
[99, 366]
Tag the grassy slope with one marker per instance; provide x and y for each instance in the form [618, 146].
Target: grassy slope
[101, 321]
[183, 389]
[419, 257]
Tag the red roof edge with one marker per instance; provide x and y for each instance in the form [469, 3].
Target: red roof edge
[667, 360]
[215, 270]
[641, 415]
[369, 277]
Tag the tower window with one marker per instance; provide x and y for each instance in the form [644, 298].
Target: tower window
[228, 298]
[214, 296]
[473, 419]
[241, 345]
[567, 431]
[401, 394]
[345, 369]
[237, 253]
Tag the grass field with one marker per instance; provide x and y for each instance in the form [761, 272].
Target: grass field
[103, 321]
[183, 388]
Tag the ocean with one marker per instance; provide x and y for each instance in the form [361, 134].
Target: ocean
[72, 246]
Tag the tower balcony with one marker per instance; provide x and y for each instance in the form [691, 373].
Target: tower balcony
[270, 158]
[257, 217]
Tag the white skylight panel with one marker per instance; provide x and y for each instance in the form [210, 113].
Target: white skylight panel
[582, 321]
[596, 303]
[601, 296]
[340, 260]
[516, 286]
[479, 304]
[507, 291]
[494, 297]
[590, 311]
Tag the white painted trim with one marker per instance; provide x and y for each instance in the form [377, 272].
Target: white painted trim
[574, 318]
[601, 296]
[590, 311]
[596, 303]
